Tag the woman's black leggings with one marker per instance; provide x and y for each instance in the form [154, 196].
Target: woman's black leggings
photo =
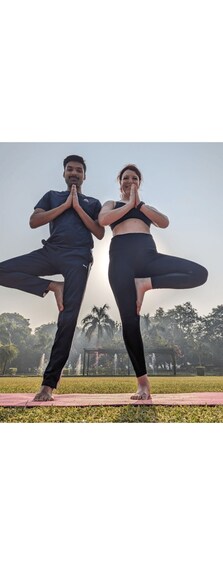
[135, 256]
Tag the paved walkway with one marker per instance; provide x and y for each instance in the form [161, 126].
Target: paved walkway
[191, 399]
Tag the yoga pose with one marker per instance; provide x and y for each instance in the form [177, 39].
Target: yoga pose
[135, 265]
[73, 218]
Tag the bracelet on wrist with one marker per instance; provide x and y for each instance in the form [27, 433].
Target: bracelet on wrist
[140, 205]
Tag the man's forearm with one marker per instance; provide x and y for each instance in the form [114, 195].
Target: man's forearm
[41, 217]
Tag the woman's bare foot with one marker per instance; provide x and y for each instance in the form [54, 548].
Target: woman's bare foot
[57, 288]
[142, 285]
[44, 394]
[143, 390]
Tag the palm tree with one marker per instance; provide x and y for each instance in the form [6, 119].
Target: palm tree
[98, 323]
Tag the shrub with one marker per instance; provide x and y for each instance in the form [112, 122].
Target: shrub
[12, 371]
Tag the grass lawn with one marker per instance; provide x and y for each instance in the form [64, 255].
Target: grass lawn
[104, 414]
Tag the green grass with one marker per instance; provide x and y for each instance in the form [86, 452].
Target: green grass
[107, 414]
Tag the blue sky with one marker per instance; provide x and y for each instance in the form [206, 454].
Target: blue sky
[183, 180]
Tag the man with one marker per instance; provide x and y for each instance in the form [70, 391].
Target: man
[68, 251]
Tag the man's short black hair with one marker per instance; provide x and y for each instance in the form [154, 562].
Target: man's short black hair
[76, 158]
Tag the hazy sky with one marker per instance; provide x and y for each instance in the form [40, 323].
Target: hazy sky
[183, 180]
[91, 71]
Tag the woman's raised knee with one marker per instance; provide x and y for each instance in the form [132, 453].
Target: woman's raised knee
[203, 275]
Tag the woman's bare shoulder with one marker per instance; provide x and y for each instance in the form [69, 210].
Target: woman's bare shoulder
[110, 204]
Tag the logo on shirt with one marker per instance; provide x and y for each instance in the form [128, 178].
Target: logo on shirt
[86, 200]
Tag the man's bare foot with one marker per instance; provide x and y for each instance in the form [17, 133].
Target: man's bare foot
[44, 394]
[58, 288]
[143, 390]
[142, 285]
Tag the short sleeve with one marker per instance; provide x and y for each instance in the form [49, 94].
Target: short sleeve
[44, 202]
[97, 209]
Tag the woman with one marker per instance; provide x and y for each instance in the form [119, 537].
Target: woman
[136, 266]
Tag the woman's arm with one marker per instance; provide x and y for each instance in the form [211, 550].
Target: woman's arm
[92, 225]
[158, 219]
[108, 214]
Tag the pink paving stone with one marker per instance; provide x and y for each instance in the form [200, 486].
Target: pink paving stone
[192, 399]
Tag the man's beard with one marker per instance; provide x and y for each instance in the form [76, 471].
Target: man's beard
[77, 183]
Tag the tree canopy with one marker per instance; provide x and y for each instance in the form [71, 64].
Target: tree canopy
[197, 340]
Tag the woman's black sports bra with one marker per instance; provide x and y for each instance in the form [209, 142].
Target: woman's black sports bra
[133, 213]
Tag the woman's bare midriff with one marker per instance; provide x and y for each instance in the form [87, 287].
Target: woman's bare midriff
[131, 226]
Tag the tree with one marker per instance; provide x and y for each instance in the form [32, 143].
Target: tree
[44, 336]
[159, 314]
[145, 323]
[184, 316]
[98, 323]
[214, 334]
[214, 323]
[14, 327]
[15, 330]
[199, 341]
[7, 353]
